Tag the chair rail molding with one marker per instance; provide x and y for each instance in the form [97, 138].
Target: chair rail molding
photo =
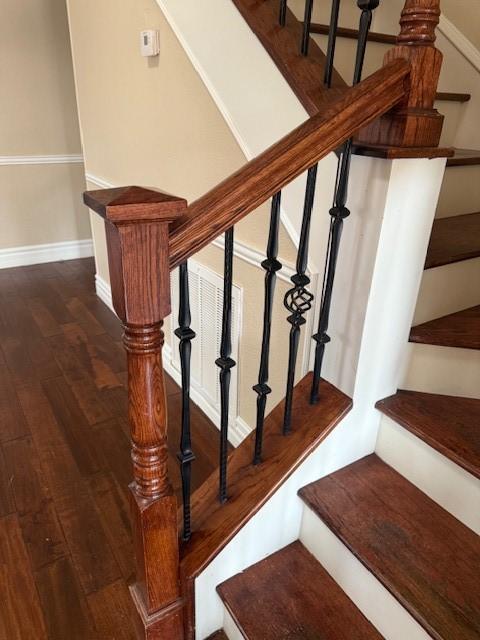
[7, 161]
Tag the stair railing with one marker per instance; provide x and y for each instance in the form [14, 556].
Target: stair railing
[150, 233]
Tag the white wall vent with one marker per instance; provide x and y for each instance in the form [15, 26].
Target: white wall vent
[206, 300]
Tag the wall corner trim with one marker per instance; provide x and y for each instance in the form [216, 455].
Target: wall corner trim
[460, 41]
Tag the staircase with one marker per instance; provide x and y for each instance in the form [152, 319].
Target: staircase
[388, 545]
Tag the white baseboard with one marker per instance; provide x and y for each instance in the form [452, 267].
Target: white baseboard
[41, 253]
[104, 291]
[238, 429]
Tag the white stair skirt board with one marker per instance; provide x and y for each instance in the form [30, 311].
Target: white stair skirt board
[41, 253]
[453, 488]
[460, 192]
[277, 522]
[448, 289]
[231, 630]
[368, 594]
[446, 370]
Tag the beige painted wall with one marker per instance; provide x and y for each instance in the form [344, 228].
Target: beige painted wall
[465, 15]
[40, 202]
[152, 122]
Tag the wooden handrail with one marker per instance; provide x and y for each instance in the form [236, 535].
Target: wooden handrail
[258, 180]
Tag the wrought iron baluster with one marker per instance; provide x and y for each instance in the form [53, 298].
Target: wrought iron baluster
[298, 300]
[367, 7]
[332, 41]
[225, 362]
[185, 334]
[307, 21]
[271, 266]
[339, 211]
[283, 13]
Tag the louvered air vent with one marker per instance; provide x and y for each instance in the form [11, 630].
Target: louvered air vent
[206, 300]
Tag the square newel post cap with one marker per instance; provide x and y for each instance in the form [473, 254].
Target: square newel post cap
[124, 205]
[137, 234]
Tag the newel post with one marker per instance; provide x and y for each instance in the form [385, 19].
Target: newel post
[414, 122]
[136, 224]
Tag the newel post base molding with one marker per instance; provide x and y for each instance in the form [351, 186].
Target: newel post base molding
[136, 225]
[414, 122]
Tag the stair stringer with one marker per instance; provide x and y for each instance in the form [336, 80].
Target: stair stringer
[253, 97]
[278, 521]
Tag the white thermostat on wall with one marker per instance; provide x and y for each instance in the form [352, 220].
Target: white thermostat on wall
[150, 43]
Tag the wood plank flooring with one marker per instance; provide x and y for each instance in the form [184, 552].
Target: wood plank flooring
[65, 540]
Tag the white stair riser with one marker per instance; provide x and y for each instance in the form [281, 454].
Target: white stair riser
[453, 112]
[368, 594]
[447, 289]
[229, 626]
[445, 370]
[453, 488]
[460, 192]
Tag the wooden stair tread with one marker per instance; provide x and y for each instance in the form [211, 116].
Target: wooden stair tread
[345, 32]
[449, 424]
[452, 96]
[425, 557]
[460, 329]
[454, 239]
[218, 635]
[464, 158]
[289, 595]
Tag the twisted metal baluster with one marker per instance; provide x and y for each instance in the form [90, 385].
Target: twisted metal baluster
[283, 13]
[298, 300]
[332, 41]
[185, 334]
[307, 21]
[339, 211]
[271, 266]
[225, 362]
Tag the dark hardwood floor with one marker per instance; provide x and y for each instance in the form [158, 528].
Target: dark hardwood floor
[65, 539]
